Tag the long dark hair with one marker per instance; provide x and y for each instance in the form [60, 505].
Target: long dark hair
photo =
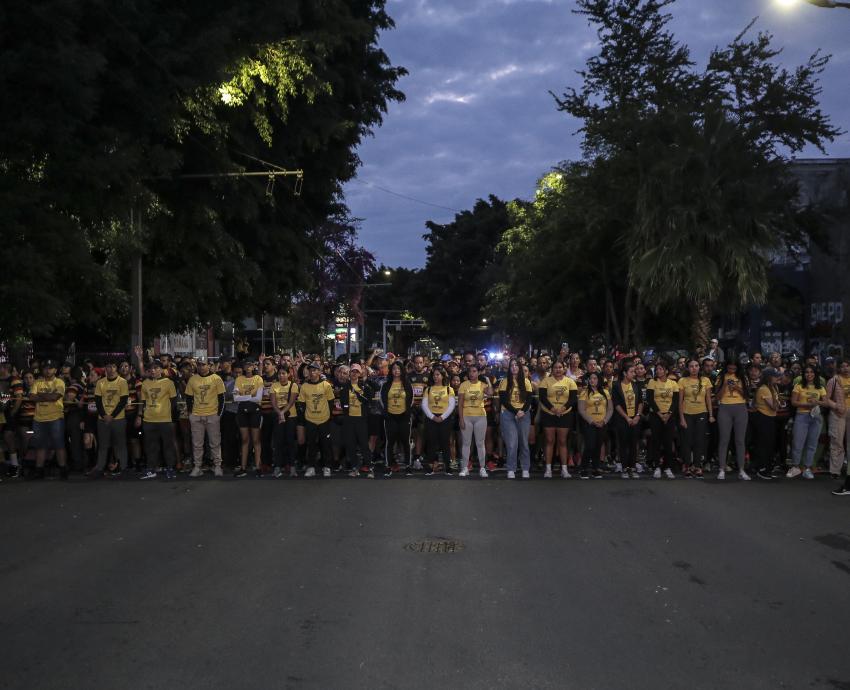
[599, 387]
[818, 381]
[520, 380]
[740, 374]
[662, 363]
[699, 373]
[624, 367]
[442, 372]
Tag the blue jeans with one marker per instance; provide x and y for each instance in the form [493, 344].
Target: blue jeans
[515, 436]
[806, 435]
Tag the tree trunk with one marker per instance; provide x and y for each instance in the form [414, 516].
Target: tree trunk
[701, 325]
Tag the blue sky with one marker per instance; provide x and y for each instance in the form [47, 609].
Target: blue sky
[479, 119]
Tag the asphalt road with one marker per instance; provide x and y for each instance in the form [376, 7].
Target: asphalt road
[314, 584]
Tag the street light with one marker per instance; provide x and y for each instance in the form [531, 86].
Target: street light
[829, 4]
[388, 273]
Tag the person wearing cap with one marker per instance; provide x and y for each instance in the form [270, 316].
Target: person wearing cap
[764, 422]
[838, 390]
[247, 393]
[355, 403]
[159, 410]
[715, 352]
[110, 396]
[48, 394]
[205, 402]
[317, 397]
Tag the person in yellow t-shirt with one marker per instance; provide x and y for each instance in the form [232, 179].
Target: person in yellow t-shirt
[595, 410]
[838, 390]
[515, 397]
[764, 423]
[397, 399]
[472, 418]
[111, 395]
[628, 408]
[317, 396]
[48, 394]
[284, 393]
[355, 404]
[732, 415]
[695, 412]
[247, 394]
[809, 398]
[205, 401]
[662, 399]
[438, 406]
[159, 400]
[558, 398]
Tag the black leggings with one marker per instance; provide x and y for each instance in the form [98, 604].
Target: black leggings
[437, 437]
[318, 436]
[355, 432]
[693, 439]
[284, 442]
[662, 441]
[764, 441]
[627, 440]
[397, 428]
[593, 439]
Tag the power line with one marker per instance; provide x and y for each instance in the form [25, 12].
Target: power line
[405, 196]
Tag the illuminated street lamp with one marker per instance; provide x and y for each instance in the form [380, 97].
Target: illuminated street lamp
[829, 4]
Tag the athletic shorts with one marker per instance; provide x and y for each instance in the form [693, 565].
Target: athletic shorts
[248, 416]
[417, 417]
[48, 435]
[549, 421]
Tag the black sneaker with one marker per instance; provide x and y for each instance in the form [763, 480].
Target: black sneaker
[764, 474]
[843, 491]
[584, 474]
[240, 473]
[597, 474]
[258, 473]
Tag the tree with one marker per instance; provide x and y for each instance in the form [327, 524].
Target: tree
[109, 106]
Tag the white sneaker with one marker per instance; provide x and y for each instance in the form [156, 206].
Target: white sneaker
[657, 473]
[565, 473]
[311, 472]
[793, 472]
[618, 467]
[721, 475]
[417, 464]
[639, 467]
[548, 473]
[807, 474]
[743, 476]
[482, 473]
[669, 474]
[218, 472]
[196, 472]
[326, 472]
[278, 472]
[293, 472]
[511, 475]
[463, 473]
[624, 475]
[526, 474]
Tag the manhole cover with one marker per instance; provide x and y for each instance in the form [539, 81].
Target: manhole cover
[435, 546]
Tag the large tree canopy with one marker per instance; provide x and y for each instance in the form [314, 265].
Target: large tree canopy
[110, 107]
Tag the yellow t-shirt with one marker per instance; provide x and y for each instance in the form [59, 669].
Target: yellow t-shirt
[355, 407]
[630, 396]
[248, 386]
[157, 395]
[845, 384]
[205, 390]
[808, 395]
[438, 399]
[763, 394]
[726, 397]
[515, 401]
[474, 395]
[694, 390]
[110, 393]
[49, 411]
[396, 398]
[559, 391]
[282, 392]
[663, 393]
[596, 404]
[316, 396]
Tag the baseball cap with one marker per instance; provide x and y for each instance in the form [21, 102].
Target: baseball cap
[48, 364]
[446, 358]
[771, 372]
[314, 365]
[356, 367]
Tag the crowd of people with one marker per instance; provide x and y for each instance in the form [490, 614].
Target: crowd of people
[560, 414]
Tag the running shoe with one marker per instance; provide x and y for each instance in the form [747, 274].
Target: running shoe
[170, 473]
[548, 473]
[635, 474]
[482, 473]
[491, 466]
[583, 474]
[196, 472]
[669, 474]
[624, 475]
[429, 470]
[843, 491]
[354, 473]
[293, 472]
[743, 476]
[218, 472]
[698, 473]
[278, 472]
[370, 474]
[721, 475]
[764, 474]
[417, 464]
[657, 473]
[326, 472]
[310, 472]
[793, 472]
[526, 474]
[258, 473]
[150, 474]
[240, 472]
[511, 475]
[597, 474]
[565, 473]
[463, 473]
[807, 474]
